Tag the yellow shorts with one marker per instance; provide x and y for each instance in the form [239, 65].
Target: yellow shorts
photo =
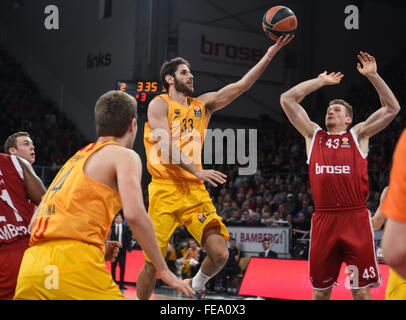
[396, 287]
[172, 204]
[65, 270]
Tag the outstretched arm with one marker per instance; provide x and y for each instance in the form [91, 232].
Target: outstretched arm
[290, 101]
[217, 100]
[390, 106]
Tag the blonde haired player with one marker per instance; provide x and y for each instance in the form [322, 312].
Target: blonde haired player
[67, 255]
[337, 158]
[175, 127]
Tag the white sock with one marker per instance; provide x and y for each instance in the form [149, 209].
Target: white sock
[199, 280]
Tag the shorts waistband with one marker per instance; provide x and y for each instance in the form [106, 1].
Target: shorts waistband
[341, 209]
[175, 182]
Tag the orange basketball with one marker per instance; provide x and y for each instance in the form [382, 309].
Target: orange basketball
[279, 21]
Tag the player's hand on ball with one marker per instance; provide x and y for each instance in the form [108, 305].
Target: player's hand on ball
[368, 64]
[279, 44]
[330, 79]
[212, 176]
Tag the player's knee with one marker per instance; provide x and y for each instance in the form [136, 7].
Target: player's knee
[321, 294]
[220, 258]
[149, 269]
[361, 294]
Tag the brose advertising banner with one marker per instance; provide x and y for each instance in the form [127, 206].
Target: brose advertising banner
[227, 52]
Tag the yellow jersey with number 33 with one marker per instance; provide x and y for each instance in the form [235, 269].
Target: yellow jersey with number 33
[187, 126]
[76, 206]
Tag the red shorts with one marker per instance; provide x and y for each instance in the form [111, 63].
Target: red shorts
[11, 256]
[343, 237]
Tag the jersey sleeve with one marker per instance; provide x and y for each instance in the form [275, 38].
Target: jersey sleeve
[393, 205]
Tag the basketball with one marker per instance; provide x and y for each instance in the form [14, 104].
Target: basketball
[279, 21]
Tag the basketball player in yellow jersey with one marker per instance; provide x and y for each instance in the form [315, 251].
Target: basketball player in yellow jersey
[175, 132]
[396, 286]
[67, 255]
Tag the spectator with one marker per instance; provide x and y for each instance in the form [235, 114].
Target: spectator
[189, 260]
[244, 218]
[234, 220]
[120, 232]
[254, 220]
[290, 204]
[277, 220]
[267, 253]
[267, 219]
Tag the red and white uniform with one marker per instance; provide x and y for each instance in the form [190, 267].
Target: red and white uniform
[341, 226]
[15, 216]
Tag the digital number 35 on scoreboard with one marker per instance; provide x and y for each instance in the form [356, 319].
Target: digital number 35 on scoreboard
[143, 91]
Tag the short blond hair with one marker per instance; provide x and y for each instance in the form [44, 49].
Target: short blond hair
[345, 104]
[11, 141]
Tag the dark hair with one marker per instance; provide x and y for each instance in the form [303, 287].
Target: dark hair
[11, 141]
[114, 112]
[170, 67]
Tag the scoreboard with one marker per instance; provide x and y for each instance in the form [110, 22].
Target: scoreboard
[142, 91]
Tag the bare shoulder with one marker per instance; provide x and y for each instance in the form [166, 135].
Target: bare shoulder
[158, 105]
[115, 154]
[122, 153]
[208, 99]
[358, 129]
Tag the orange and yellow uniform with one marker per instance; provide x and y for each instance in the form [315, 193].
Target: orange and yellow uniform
[66, 257]
[176, 197]
[394, 207]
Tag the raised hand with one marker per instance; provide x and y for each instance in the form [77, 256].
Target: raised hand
[330, 79]
[280, 43]
[368, 64]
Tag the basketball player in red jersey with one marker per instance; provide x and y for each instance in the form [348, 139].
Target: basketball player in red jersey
[341, 228]
[21, 145]
[18, 183]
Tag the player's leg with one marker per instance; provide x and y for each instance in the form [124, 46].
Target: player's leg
[215, 245]
[322, 294]
[217, 255]
[359, 251]
[146, 281]
[164, 202]
[211, 233]
[325, 258]
[361, 294]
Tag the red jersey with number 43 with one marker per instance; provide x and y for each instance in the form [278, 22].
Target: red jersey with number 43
[338, 171]
[15, 210]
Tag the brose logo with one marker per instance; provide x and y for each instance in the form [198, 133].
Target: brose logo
[332, 169]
